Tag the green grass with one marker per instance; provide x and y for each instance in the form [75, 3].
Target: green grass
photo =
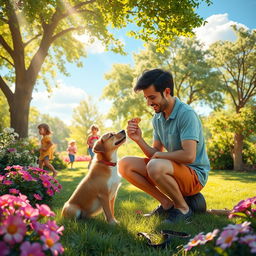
[95, 237]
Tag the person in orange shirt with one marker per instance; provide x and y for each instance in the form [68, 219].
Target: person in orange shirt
[72, 149]
[47, 148]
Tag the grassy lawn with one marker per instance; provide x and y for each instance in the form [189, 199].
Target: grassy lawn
[95, 237]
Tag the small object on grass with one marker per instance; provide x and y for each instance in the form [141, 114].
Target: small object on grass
[167, 236]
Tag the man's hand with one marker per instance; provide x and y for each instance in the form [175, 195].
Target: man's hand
[133, 129]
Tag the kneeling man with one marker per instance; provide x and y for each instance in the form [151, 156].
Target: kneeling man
[183, 169]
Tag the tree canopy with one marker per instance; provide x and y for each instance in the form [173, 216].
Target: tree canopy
[38, 37]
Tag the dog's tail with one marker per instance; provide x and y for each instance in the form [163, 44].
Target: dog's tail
[72, 211]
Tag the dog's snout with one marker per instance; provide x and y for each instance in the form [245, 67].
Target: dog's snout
[123, 131]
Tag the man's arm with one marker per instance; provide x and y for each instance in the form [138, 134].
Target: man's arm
[147, 150]
[186, 155]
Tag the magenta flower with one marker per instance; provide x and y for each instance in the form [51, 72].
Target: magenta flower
[54, 227]
[14, 229]
[50, 240]
[28, 249]
[226, 238]
[7, 182]
[26, 176]
[50, 192]
[30, 213]
[2, 177]
[11, 150]
[8, 168]
[38, 197]
[44, 210]
[46, 183]
[14, 191]
[4, 249]
[17, 167]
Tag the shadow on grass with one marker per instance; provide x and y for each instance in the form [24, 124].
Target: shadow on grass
[247, 177]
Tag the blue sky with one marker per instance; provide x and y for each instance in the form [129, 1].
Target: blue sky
[89, 80]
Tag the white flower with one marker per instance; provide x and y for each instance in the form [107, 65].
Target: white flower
[8, 130]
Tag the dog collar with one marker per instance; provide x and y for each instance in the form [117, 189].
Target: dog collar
[106, 163]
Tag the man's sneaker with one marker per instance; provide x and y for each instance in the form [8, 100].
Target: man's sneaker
[175, 215]
[158, 211]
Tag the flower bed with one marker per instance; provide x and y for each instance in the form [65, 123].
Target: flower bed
[79, 159]
[234, 239]
[33, 182]
[22, 231]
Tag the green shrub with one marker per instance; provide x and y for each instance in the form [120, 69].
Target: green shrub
[14, 151]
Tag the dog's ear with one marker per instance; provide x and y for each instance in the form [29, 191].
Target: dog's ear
[98, 147]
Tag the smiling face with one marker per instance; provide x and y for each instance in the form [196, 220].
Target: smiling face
[109, 142]
[155, 99]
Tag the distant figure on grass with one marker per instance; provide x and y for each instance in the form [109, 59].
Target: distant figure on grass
[93, 137]
[47, 148]
[72, 149]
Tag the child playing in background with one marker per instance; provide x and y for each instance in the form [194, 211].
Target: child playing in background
[46, 149]
[72, 149]
[93, 137]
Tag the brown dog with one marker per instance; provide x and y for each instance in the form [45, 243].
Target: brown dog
[97, 191]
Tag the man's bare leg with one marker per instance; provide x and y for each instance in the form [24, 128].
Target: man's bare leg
[134, 170]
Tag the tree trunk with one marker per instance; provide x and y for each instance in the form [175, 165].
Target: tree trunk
[19, 111]
[237, 153]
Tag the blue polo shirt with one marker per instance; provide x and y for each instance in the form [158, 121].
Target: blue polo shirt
[183, 124]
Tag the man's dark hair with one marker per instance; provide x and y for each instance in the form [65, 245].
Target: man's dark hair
[159, 78]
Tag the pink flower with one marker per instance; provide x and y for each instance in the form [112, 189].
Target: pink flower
[253, 247]
[8, 168]
[17, 167]
[240, 228]
[209, 236]
[14, 191]
[50, 192]
[28, 249]
[38, 197]
[12, 150]
[50, 242]
[30, 213]
[4, 250]
[26, 176]
[54, 227]
[248, 239]
[226, 238]
[44, 210]
[7, 182]
[46, 183]
[14, 229]
[198, 239]
[2, 177]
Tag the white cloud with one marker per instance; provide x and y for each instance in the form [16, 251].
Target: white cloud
[92, 45]
[60, 102]
[218, 27]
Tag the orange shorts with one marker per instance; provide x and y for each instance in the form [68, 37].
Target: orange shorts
[186, 178]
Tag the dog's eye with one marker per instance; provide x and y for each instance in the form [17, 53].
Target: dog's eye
[111, 135]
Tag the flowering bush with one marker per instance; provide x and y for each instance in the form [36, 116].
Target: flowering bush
[33, 182]
[14, 151]
[22, 231]
[234, 239]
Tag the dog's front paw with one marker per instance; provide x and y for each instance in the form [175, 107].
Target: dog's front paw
[113, 222]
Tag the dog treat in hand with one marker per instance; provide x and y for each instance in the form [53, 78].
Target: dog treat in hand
[136, 120]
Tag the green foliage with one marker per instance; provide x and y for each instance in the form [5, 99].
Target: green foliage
[222, 126]
[58, 162]
[85, 115]
[14, 151]
[236, 62]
